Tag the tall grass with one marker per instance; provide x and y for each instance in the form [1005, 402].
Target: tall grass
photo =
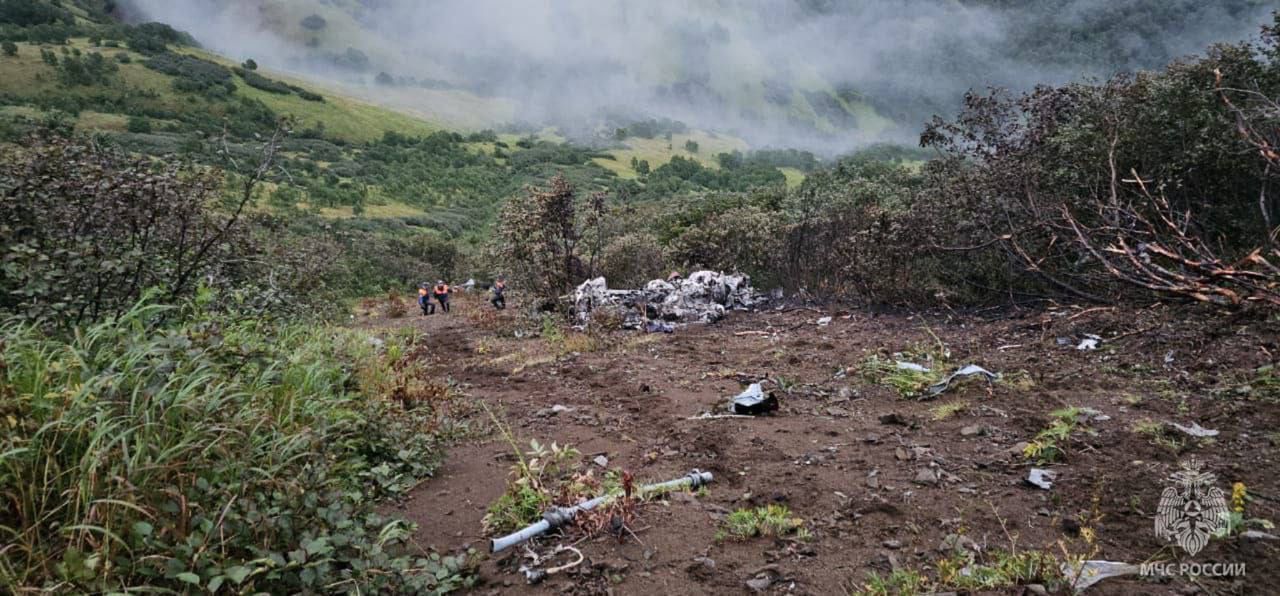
[213, 454]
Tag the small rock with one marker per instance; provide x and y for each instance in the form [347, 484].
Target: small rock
[1037, 589]
[927, 477]
[837, 412]
[892, 544]
[601, 461]
[759, 584]
[1019, 448]
[902, 454]
[872, 480]
[845, 393]
[972, 430]
[556, 409]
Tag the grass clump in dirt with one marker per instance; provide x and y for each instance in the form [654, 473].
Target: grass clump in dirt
[904, 375]
[535, 480]
[1050, 445]
[900, 582]
[942, 412]
[1158, 434]
[771, 520]
[1000, 570]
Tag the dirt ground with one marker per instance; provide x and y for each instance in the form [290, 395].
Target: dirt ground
[883, 482]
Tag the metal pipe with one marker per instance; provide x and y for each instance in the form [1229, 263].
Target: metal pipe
[559, 516]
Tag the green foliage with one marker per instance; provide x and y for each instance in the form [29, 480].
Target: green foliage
[1050, 444]
[192, 74]
[535, 483]
[746, 239]
[900, 582]
[9, 48]
[907, 380]
[139, 124]
[86, 232]
[215, 454]
[86, 71]
[770, 520]
[631, 260]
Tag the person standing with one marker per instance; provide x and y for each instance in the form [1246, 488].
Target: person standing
[424, 300]
[441, 292]
[499, 300]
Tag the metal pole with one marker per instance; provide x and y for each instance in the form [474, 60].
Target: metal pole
[559, 516]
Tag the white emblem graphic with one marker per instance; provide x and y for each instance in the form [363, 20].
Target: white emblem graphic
[1192, 511]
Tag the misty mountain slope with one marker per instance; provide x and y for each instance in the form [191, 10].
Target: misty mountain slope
[814, 73]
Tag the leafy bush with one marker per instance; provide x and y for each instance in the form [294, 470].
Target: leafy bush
[194, 74]
[139, 124]
[257, 81]
[86, 232]
[631, 260]
[217, 454]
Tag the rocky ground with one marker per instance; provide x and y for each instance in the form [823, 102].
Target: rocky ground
[882, 482]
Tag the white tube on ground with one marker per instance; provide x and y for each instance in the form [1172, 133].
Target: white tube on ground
[560, 516]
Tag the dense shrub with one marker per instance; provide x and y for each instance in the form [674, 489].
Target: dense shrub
[631, 260]
[86, 232]
[257, 81]
[215, 455]
[192, 74]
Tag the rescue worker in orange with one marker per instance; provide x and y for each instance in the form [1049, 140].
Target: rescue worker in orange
[441, 293]
[424, 301]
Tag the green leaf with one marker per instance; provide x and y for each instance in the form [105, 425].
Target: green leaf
[238, 573]
[216, 583]
[143, 529]
[190, 578]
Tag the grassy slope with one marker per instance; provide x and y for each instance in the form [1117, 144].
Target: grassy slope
[344, 117]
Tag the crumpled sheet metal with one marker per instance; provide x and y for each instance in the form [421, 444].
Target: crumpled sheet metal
[703, 297]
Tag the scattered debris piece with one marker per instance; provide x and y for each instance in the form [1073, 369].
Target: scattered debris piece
[1093, 415]
[601, 461]
[1257, 535]
[1090, 342]
[754, 401]
[1041, 478]
[703, 297]
[1195, 430]
[534, 575]
[760, 584]
[659, 327]
[968, 371]
[824, 321]
[972, 430]
[1087, 573]
[911, 366]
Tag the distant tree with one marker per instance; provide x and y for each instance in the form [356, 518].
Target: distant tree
[691, 146]
[250, 64]
[643, 167]
[9, 48]
[384, 79]
[620, 134]
[314, 22]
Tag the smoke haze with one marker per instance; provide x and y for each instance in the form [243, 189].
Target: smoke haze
[819, 74]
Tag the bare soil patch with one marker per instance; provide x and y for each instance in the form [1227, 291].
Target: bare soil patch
[881, 481]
